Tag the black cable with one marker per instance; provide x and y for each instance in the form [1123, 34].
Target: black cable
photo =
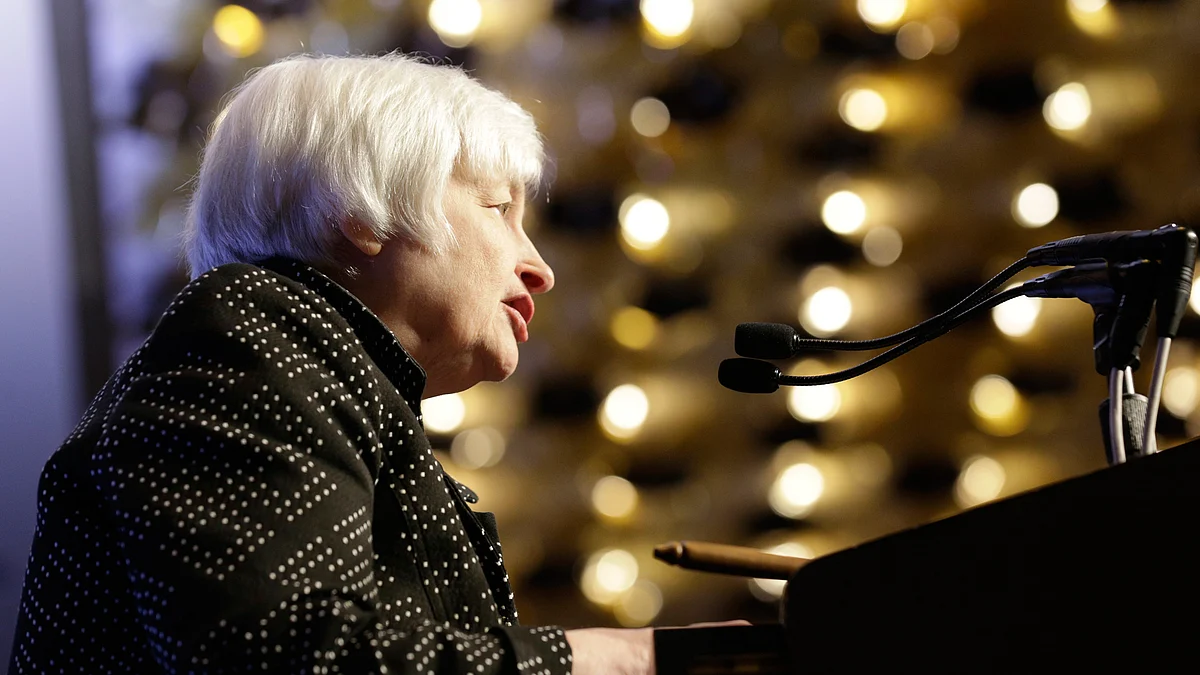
[877, 343]
[940, 329]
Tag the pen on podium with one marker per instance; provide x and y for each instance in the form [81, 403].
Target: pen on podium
[724, 559]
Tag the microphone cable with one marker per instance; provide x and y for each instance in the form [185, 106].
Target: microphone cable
[752, 376]
[746, 342]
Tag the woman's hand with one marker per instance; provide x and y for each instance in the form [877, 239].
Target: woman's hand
[620, 651]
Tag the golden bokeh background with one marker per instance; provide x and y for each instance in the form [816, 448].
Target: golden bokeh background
[849, 167]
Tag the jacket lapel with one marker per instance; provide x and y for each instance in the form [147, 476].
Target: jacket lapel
[481, 529]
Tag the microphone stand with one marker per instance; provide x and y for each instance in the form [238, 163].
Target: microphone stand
[1118, 331]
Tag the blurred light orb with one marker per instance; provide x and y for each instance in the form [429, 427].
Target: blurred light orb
[478, 448]
[634, 328]
[814, 404]
[981, 480]
[609, 573]
[1068, 108]
[455, 21]
[882, 246]
[1018, 316]
[882, 14]
[650, 117]
[239, 30]
[614, 497]
[443, 414]
[915, 40]
[770, 590]
[1181, 391]
[668, 18]
[644, 221]
[994, 397]
[844, 212]
[638, 606]
[827, 311]
[946, 33]
[1035, 205]
[1088, 6]
[863, 109]
[624, 411]
[796, 490]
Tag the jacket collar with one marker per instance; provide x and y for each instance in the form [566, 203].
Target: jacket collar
[380, 343]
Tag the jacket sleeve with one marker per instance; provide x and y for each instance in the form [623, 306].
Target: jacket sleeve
[239, 471]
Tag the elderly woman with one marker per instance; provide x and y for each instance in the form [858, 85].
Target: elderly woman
[253, 490]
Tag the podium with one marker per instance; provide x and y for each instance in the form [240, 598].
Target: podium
[1093, 573]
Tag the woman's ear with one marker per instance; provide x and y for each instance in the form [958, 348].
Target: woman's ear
[361, 236]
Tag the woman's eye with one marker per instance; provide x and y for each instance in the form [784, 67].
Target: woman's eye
[503, 208]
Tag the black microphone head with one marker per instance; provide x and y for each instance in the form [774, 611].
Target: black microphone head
[765, 340]
[748, 376]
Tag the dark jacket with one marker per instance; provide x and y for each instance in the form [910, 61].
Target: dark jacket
[253, 492]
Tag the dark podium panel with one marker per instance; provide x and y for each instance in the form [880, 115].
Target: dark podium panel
[1097, 573]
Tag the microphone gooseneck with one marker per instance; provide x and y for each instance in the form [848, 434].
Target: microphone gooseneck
[751, 376]
[780, 341]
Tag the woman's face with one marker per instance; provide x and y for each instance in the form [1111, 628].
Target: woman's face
[462, 313]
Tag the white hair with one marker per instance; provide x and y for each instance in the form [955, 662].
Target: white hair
[307, 142]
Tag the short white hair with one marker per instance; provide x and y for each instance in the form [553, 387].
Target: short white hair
[309, 141]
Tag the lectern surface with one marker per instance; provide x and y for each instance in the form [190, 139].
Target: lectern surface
[1079, 575]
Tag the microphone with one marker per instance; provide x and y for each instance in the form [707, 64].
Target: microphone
[766, 340]
[749, 376]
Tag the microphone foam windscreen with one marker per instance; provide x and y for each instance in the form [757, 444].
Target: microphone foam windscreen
[748, 376]
[764, 340]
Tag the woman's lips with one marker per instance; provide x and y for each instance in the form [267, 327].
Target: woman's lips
[520, 327]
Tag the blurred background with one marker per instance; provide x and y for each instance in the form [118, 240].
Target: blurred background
[849, 167]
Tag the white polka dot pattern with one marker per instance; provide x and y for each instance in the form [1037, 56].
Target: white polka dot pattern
[253, 492]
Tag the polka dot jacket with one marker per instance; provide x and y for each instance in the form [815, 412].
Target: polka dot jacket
[253, 492]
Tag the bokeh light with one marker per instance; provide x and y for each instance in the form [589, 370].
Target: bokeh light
[239, 31]
[882, 246]
[650, 117]
[1181, 391]
[634, 327]
[826, 311]
[844, 212]
[477, 448]
[614, 497]
[1068, 108]
[999, 408]
[455, 21]
[981, 480]
[1094, 17]
[624, 411]
[814, 404]
[915, 40]
[1035, 205]
[608, 574]
[1017, 317]
[882, 14]
[863, 109]
[443, 414]
[639, 605]
[1194, 298]
[796, 490]
[644, 221]
[668, 18]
